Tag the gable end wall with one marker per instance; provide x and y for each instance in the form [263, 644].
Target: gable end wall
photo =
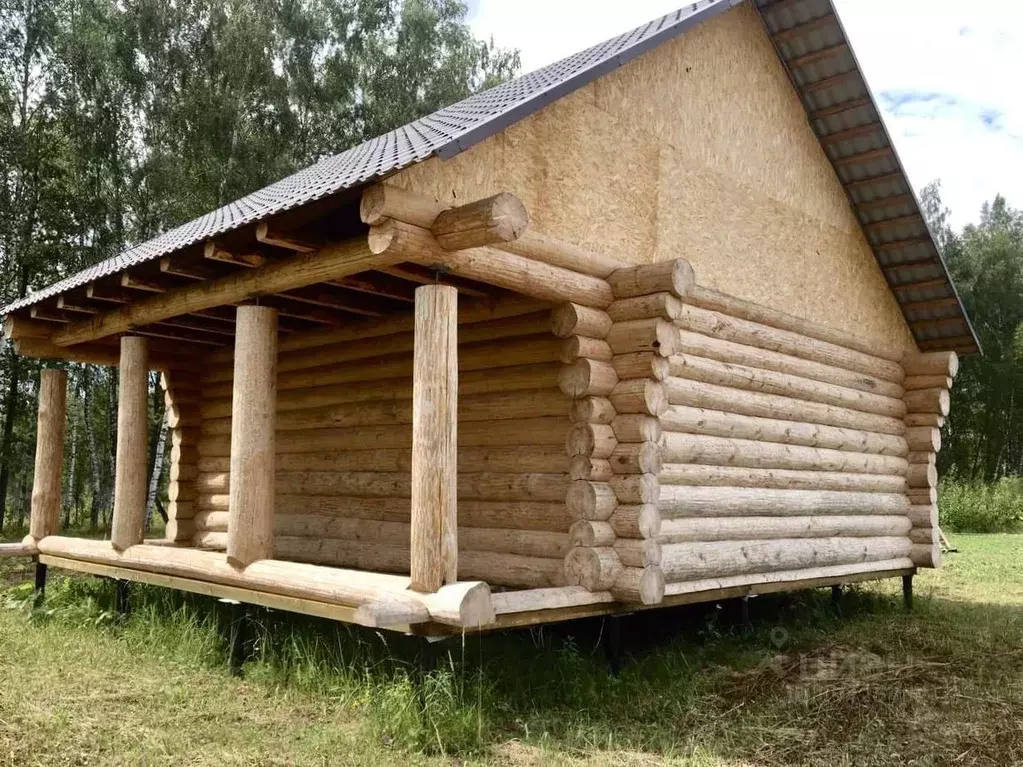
[699, 149]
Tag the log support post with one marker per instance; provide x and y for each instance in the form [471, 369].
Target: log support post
[238, 636]
[40, 585]
[45, 515]
[131, 468]
[122, 598]
[434, 530]
[250, 527]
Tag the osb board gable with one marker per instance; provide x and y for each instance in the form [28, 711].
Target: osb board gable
[722, 98]
[773, 227]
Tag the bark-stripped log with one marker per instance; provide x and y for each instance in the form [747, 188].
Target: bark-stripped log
[675, 277]
[724, 451]
[931, 364]
[765, 337]
[434, 550]
[591, 439]
[586, 378]
[654, 335]
[764, 528]
[740, 354]
[679, 501]
[132, 447]
[251, 530]
[778, 479]
[643, 586]
[935, 401]
[715, 423]
[636, 521]
[783, 384]
[497, 219]
[46, 500]
[594, 569]
[694, 561]
[682, 391]
[575, 320]
[639, 395]
[663, 306]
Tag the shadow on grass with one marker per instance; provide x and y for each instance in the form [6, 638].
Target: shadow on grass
[801, 683]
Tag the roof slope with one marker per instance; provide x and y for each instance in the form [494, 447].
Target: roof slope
[812, 45]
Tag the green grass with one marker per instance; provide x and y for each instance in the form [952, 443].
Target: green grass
[871, 686]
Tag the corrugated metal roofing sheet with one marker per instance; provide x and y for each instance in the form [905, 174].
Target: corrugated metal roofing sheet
[444, 133]
[811, 43]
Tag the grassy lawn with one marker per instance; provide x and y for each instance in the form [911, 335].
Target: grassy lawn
[804, 685]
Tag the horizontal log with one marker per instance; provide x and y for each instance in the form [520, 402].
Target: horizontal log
[531, 600]
[585, 532]
[636, 458]
[922, 496]
[663, 306]
[330, 262]
[573, 320]
[593, 469]
[380, 484]
[543, 375]
[526, 276]
[512, 459]
[582, 347]
[936, 401]
[639, 395]
[675, 277]
[636, 488]
[594, 569]
[925, 535]
[717, 559]
[591, 410]
[726, 451]
[922, 457]
[715, 423]
[636, 521]
[926, 555]
[634, 552]
[778, 479]
[475, 342]
[556, 252]
[590, 500]
[538, 431]
[680, 501]
[496, 219]
[751, 356]
[636, 428]
[23, 548]
[682, 391]
[789, 579]
[715, 300]
[653, 335]
[585, 378]
[765, 528]
[640, 365]
[913, 383]
[334, 586]
[783, 384]
[742, 331]
[923, 439]
[924, 419]
[931, 364]
[594, 440]
[537, 403]
[639, 586]
[923, 516]
[922, 475]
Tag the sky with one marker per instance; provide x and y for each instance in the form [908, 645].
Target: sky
[946, 74]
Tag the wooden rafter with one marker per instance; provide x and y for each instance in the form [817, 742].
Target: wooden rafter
[268, 235]
[426, 276]
[215, 252]
[836, 109]
[814, 56]
[822, 22]
[870, 154]
[884, 202]
[831, 82]
[849, 134]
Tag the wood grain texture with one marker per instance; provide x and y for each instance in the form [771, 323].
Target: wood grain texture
[132, 445]
[46, 504]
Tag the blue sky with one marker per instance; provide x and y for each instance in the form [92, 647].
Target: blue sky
[947, 74]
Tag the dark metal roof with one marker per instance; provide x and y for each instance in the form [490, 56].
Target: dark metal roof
[813, 46]
[444, 133]
[811, 43]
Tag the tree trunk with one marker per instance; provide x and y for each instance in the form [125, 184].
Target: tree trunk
[6, 443]
[90, 439]
[155, 470]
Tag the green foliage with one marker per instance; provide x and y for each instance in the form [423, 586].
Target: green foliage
[121, 119]
[983, 435]
[975, 507]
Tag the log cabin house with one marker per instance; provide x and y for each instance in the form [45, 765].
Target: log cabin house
[658, 323]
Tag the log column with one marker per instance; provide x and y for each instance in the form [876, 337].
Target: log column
[250, 527]
[132, 446]
[434, 546]
[45, 517]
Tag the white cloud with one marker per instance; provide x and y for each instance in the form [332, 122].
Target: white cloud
[971, 54]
